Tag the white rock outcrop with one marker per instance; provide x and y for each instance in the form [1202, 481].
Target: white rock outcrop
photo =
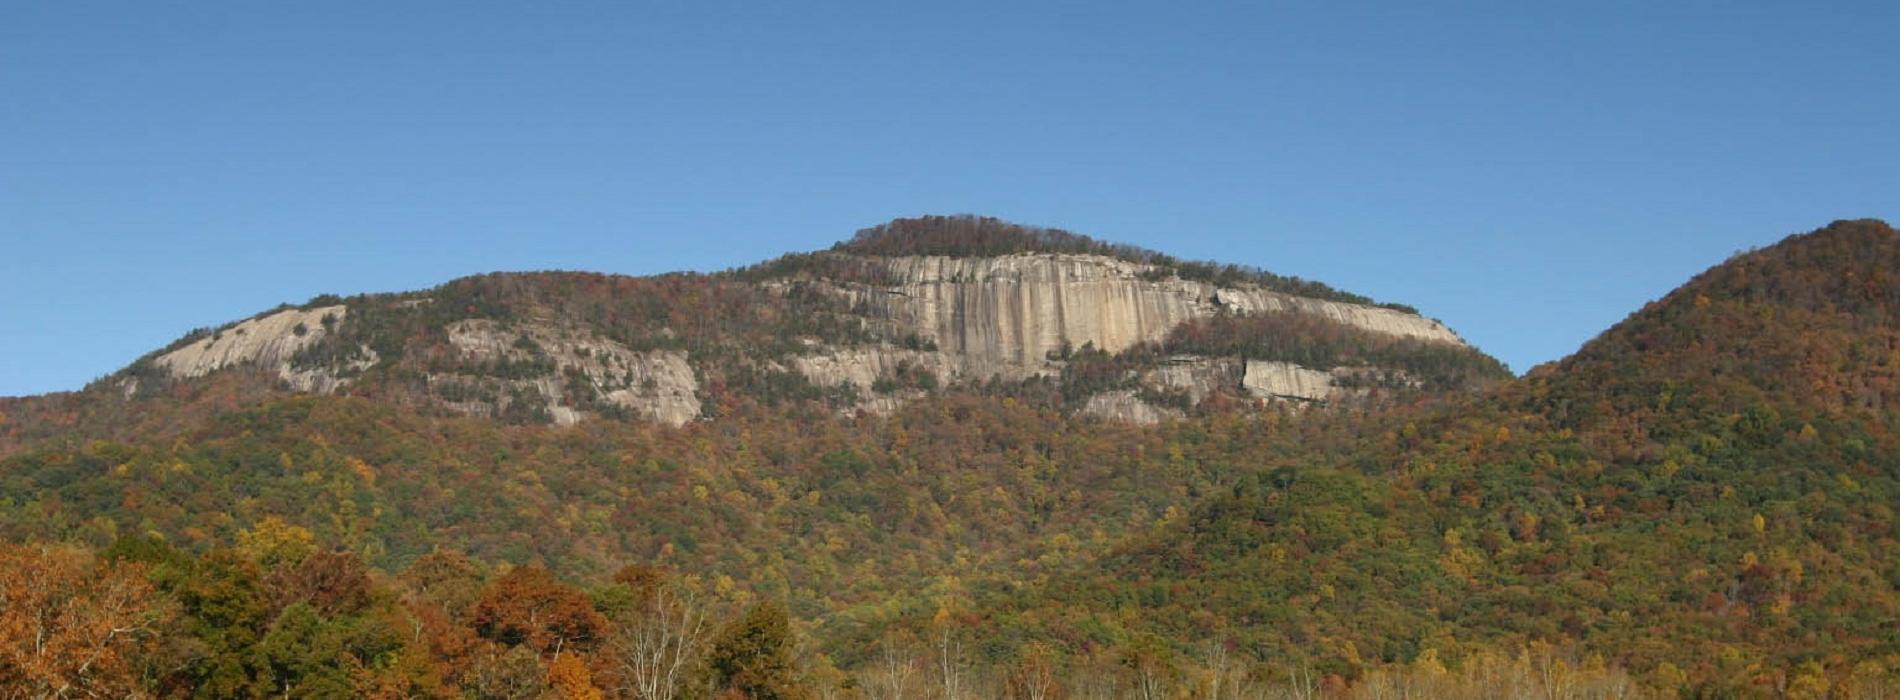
[1377, 319]
[657, 385]
[864, 366]
[269, 341]
[1005, 315]
[883, 404]
[1196, 375]
[1285, 380]
[1125, 406]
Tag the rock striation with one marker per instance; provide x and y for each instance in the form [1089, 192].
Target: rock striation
[1005, 315]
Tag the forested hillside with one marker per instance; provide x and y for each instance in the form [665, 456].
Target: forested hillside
[1703, 496]
[488, 490]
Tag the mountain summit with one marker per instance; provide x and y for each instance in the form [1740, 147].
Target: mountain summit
[1811, 323]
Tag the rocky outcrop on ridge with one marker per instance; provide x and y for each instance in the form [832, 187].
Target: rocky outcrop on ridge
[1004, 316]
[271, 341]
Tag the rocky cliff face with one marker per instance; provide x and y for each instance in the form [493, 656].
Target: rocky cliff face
[270, 341]
[1012, 316]
[1260, 379]
[1198, 376]
[1126, 406]
[1004, 316]
[864, 367]
[567, 366]
[1285, 380]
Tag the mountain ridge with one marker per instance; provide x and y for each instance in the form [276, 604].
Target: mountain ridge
[855, 327]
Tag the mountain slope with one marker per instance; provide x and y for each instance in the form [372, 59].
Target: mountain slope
[1705, 494]
[1809, 323]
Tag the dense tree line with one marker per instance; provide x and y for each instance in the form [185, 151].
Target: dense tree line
[964, 236]
[274, 617]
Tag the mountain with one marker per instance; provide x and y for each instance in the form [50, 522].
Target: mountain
[1703, 496]
[971, 458]
[881, 319]
[1807, 324]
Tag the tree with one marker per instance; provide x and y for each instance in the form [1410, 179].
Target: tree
[529, 606]
[752, 657]
[442, 590]
[72, 627]
[304, 656]
[274, 542]
[224, 613]
[448, 579]
[1034, 677]
[1152, 666]
[507, 674]
[571, 679]
[656, 638]
[892, 668]
[332, 582]
[949, 654]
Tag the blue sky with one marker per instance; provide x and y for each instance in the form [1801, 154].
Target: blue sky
[1528, 172]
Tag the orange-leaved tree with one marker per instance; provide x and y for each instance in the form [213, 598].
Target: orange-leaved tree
[72, 626]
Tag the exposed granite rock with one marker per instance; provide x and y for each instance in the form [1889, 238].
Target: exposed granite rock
[266, 340]
[1285, 380]
[864, 366]
[1198, 376]
[325, 380]
[884, 404]
[270, 341]
[1004, 315]
[657, 385]
[1124, 405]
[1279, 381]
[662, 388]
[1373, 318]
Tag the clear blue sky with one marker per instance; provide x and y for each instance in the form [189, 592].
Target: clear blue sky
[1529, 172]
